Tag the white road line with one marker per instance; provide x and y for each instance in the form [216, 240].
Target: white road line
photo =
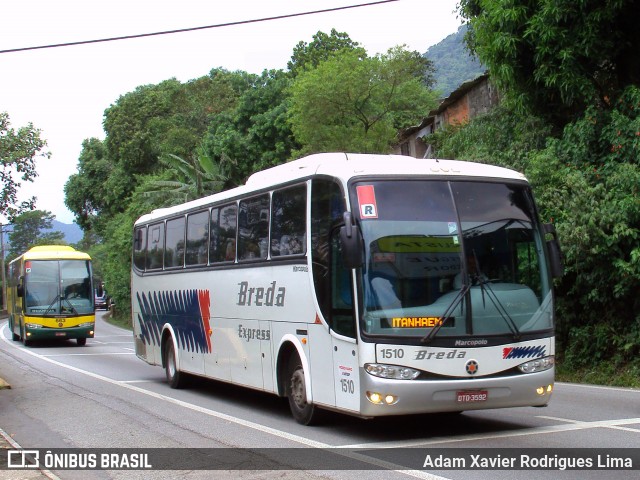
[575, 425]
[84, 354]
[568, 420]
[238, 421]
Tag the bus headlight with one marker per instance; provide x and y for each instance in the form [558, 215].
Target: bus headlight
[32, 325]
[537, 365]
[85, 325]
[391, 371]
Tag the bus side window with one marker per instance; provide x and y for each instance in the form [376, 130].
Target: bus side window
[288, 221]
[197, 236]
[140, 247]
[222, 236]
[155, 246]
[253, 228]
[174, 243]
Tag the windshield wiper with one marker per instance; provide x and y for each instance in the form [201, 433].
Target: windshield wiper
[441, 319]
[73, 309]
[484, 280]
[499, 307]
[50, 307]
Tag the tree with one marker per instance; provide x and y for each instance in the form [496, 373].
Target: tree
[307, 56]
[350, 103]
[255, 134]
[28, 232]
[188, 179]
[18, 153]
[557, 57]
[86, 191]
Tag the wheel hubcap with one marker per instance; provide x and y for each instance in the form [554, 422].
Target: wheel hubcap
[297, 388]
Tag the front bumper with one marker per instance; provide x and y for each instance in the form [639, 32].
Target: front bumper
[427, 396]
[43, 333]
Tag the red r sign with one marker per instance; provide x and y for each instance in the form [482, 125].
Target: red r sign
[367, 201]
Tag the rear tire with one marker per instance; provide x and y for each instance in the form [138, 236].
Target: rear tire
[303, 412]
[175, 378]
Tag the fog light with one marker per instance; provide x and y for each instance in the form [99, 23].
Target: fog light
[390, 399]
[549, 388]
[374, 397]
[540, 390]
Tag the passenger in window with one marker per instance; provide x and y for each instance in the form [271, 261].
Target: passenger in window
[230, 253]
[295, 246]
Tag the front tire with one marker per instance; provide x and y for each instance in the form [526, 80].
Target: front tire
[81, 342]
[175, 378]
[303, 412]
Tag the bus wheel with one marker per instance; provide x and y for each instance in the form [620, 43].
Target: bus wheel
[175, 379]
[81, 342]
[303, 412]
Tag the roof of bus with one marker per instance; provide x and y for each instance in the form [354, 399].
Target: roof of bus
[346, 166]
[55, 252]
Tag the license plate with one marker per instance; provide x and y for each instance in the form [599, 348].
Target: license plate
[472, 396]
[61, 334]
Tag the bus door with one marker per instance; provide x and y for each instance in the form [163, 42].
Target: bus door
[343, 332]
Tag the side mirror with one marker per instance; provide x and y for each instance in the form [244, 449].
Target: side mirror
[553, 247]
[20, 287]
[351, 241]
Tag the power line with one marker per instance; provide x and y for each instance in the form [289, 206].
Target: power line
[193, 29]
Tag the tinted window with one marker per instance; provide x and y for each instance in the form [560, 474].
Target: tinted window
[139, 247]
[253, 228]
[174, 247]
[197, 236]
[223, 234]
[288, 221]
[155, 246]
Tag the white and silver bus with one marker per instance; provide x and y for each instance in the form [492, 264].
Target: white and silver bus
[372, 285]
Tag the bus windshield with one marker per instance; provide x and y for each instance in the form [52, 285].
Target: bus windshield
[463, 257]
[56, 287]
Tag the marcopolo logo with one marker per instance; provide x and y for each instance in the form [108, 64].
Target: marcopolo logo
[533, 351]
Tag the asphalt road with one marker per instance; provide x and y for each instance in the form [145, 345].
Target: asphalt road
[102, 396]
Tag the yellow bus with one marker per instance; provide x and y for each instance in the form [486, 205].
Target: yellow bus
[50, 295]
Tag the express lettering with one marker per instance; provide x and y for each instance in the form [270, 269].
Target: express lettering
[253, 333]
[260, 296]
[439, 355]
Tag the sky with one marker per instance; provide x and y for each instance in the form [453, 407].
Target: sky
[64, 91]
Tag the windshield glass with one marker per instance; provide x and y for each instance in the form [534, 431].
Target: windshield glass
[467, 254]
[58, 287]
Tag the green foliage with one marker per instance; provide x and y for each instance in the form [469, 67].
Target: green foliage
[116, 265]
[189, 179]
[86, 192]
[307, 56]
[500, 137]
[255, 134]
[587, 183]
[350, 103]
[19, 150]
[28, 232]
[556, 57]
